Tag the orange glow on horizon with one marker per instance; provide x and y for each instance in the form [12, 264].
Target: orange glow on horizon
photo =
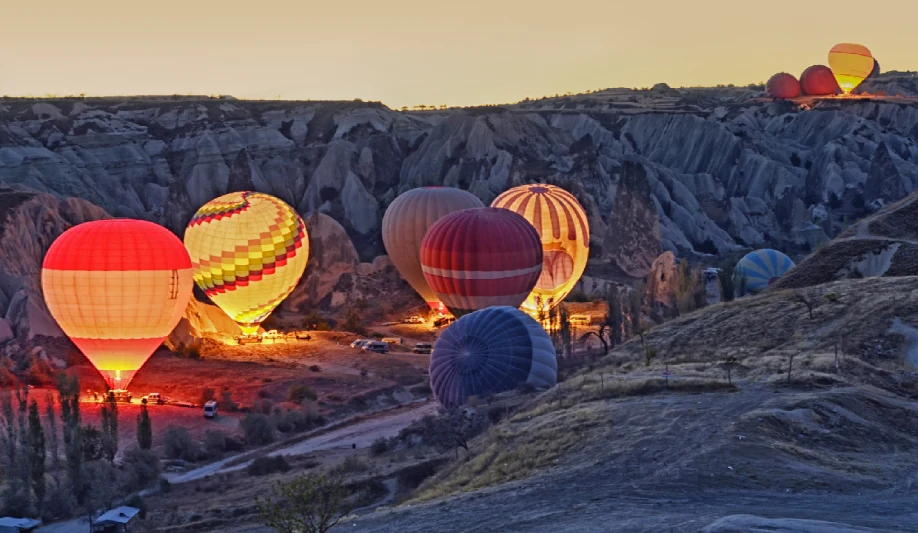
[409, 52]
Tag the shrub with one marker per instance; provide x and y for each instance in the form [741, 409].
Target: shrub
[265, 465]
[577, 295]
[315, 322]
[293, 420]
[232, 443]
[353, 323]
[379, 447]
[164, 485]
[207, 395]
[314, 368]
[136, 501]
[263, 405]
[214, 443]
[258, 429]
[298, 393]
[353, 464]
[177, 444]
[141, 468]
[411, 477]
[226, 401]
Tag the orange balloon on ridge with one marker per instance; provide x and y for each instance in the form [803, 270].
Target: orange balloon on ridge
[851, 64]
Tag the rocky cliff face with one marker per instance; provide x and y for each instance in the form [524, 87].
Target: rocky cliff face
[690, 171]
[29, 223]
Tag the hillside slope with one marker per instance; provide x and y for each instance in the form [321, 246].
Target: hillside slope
[622, 453]
[884, 244]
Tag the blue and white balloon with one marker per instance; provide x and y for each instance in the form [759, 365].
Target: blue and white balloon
[490, 351]
[761, 268]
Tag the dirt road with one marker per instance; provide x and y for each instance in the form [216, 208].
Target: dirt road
[361, 433]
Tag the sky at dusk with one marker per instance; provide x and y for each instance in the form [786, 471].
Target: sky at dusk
[408, 52]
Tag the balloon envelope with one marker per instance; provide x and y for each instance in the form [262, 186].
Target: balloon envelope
[851, 64]
[761, 268]
[564, 231]
[490, 351]
[782, 85]
[476, 258]
[248, 250]
[117, 288]
[405, 223]
[818, 80]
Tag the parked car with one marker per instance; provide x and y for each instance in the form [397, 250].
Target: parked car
[153, 397]
[444, 321]
[376, 346]
[120, 395]
[414, 319]
[422, 347]
[210, 409]
[359, 343]
[392, 340]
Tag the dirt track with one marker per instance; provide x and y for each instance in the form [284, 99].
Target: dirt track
[361, 433]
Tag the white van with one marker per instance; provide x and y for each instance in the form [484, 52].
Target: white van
[210, 409]
[376, 346]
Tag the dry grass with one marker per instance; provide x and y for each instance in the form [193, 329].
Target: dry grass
[512, 451]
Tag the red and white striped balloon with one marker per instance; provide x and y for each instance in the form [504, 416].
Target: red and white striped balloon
[482, 257]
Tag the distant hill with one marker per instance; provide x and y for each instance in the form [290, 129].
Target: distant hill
[698, 171]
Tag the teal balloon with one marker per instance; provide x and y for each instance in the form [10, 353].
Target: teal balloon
[761, 268]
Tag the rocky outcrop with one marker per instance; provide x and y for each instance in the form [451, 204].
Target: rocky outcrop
[883, 245]
[662, 284]
[693, 171]
[201, 321]
[331, 256]
[29, 223]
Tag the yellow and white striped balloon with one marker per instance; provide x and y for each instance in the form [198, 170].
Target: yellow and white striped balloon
[564, 230]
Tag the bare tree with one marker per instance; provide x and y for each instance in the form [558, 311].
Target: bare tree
[453, 429]
[728, 365]
[564, 331]
[307, 504]
[808, 299]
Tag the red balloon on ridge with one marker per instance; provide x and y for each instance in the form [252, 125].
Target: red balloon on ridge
[818, 80]
[782, 85]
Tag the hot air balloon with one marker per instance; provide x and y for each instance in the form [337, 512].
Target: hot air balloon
[818, 80]
[476, 258]
[761, 268]
[405, 223]
[565, 233]
[782, 85]
[117, 288]
[248, 250]
[490, 351]
[850, 64]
